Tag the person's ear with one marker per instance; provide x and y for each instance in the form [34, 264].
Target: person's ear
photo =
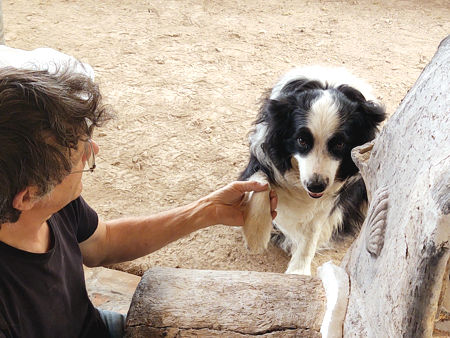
[25, 199]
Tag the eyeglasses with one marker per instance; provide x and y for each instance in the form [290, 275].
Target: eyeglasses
[90, 155]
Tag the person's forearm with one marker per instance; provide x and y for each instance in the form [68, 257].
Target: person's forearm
[130, 238]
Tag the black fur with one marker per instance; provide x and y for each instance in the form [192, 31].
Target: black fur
[351, 199]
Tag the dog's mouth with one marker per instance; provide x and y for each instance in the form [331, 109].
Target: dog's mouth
[315, 195]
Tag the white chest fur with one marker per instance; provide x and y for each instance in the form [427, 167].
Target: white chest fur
[301, 218]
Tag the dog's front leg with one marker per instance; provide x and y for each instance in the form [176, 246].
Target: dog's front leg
[305, 249]
[257, 216]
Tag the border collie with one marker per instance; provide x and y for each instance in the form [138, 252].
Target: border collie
[301, 146]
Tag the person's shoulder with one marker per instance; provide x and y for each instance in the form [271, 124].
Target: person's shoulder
[74, 207]
[77, 213]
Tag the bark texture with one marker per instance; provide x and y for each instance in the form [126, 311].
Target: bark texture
[187, 303]
[398, 264]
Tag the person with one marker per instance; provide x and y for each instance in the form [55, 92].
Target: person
[48, 231]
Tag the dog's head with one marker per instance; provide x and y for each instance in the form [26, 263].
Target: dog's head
[311, 127]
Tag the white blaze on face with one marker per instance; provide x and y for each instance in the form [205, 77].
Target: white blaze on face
[323, 122]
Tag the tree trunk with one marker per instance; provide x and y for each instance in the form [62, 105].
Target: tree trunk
[398, 264]
[188, 303]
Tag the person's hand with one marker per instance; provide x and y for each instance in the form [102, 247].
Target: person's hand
[228, 202]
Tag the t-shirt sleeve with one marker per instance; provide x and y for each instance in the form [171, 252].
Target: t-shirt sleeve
[83, 218]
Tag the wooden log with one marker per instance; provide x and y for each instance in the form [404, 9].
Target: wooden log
[398, 266]
[190, 303]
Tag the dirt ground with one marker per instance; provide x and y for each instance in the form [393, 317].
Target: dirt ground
[185, 78]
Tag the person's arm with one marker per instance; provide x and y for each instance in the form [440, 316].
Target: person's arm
[129, 238]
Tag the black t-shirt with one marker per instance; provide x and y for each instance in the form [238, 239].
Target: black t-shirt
[44, 295]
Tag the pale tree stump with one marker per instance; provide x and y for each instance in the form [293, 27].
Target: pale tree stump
[398, 266]
[190, 303]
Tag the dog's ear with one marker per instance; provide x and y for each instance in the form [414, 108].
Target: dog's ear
[373, 112]
[276, 115]
[295, 87]
[289, 98]
[278, 110]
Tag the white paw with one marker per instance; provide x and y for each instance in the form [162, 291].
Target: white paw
[257, 221]
[305, 271]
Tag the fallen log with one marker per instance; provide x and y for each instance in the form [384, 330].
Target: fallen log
[398, 266]
[187, 303]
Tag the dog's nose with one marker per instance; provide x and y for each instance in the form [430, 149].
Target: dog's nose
[316, 187]
[317, 184]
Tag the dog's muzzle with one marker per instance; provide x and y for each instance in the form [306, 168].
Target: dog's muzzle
[316, 186]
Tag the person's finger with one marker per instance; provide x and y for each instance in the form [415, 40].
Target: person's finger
[245, 186]
[274, 214]
[273, 200]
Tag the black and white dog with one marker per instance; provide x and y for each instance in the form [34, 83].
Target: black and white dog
[301, 146]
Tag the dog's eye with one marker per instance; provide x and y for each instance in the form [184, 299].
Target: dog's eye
[302, 143]
[339, 146]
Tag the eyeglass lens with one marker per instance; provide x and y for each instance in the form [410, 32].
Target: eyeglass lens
[90, 155]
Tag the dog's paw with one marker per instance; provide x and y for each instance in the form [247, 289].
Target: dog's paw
[305, 271]
[299, 265]
[257, 221]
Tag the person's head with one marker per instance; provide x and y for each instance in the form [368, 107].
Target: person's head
[44, 118]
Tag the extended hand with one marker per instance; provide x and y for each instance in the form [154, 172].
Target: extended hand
[228, 202]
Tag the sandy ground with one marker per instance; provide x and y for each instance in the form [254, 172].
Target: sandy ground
[185, 78]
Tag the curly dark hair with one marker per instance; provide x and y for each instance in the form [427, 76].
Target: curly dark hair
[43, 116]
